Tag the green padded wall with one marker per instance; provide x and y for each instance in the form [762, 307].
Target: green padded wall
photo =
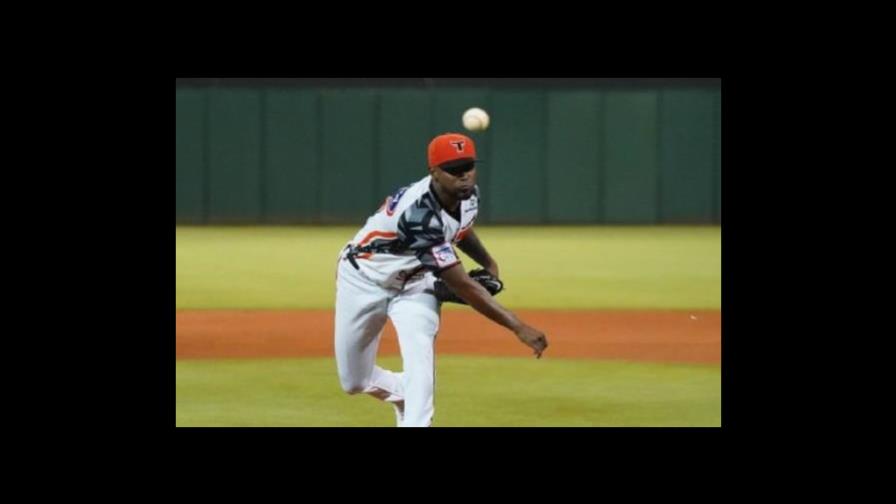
[331, 155]
[234, 150]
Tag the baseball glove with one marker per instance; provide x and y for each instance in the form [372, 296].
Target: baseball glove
[491, 283]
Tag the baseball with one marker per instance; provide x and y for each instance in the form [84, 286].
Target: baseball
[475, 119]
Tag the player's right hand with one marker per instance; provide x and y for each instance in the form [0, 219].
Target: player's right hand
[534, 338]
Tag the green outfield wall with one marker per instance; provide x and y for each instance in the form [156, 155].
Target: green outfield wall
[602, 155]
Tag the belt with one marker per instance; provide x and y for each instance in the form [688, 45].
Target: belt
[350, 255]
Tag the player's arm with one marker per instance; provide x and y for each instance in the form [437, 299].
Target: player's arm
[473, 247]
[476, 296]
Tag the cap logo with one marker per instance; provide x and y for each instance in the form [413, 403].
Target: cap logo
[458, 144]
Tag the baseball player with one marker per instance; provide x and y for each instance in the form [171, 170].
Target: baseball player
[402, 265]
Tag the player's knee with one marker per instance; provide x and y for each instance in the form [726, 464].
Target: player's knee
[351, 387]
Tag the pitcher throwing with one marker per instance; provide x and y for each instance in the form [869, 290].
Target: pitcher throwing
[402, 265]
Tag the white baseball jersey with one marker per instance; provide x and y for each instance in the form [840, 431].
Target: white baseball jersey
[409, 235]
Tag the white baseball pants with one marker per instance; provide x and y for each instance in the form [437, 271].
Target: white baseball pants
[361, 311]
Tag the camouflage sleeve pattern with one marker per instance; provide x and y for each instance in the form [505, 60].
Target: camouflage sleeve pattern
[420, 229]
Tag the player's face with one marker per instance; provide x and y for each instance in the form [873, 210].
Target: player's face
[459, 181]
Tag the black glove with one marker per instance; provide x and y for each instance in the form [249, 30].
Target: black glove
[491, 283]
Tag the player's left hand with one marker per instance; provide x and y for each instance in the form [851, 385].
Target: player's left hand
[490, 282]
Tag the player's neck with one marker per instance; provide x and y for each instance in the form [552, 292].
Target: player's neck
[448, 202]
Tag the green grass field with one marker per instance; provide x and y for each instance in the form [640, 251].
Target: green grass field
[585, 267]
[543, 267]
[470, 391]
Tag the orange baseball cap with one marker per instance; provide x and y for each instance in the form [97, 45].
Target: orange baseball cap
[450, 147]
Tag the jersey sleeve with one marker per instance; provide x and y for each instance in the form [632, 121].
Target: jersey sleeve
[420, 230]
[463, 232]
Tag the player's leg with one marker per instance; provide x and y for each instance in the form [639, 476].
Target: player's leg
[360, 318]
[416, 319]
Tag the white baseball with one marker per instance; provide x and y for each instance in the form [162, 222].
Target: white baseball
[475, 119]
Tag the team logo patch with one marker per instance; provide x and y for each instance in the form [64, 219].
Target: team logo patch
[444, 254]
[458, 144]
